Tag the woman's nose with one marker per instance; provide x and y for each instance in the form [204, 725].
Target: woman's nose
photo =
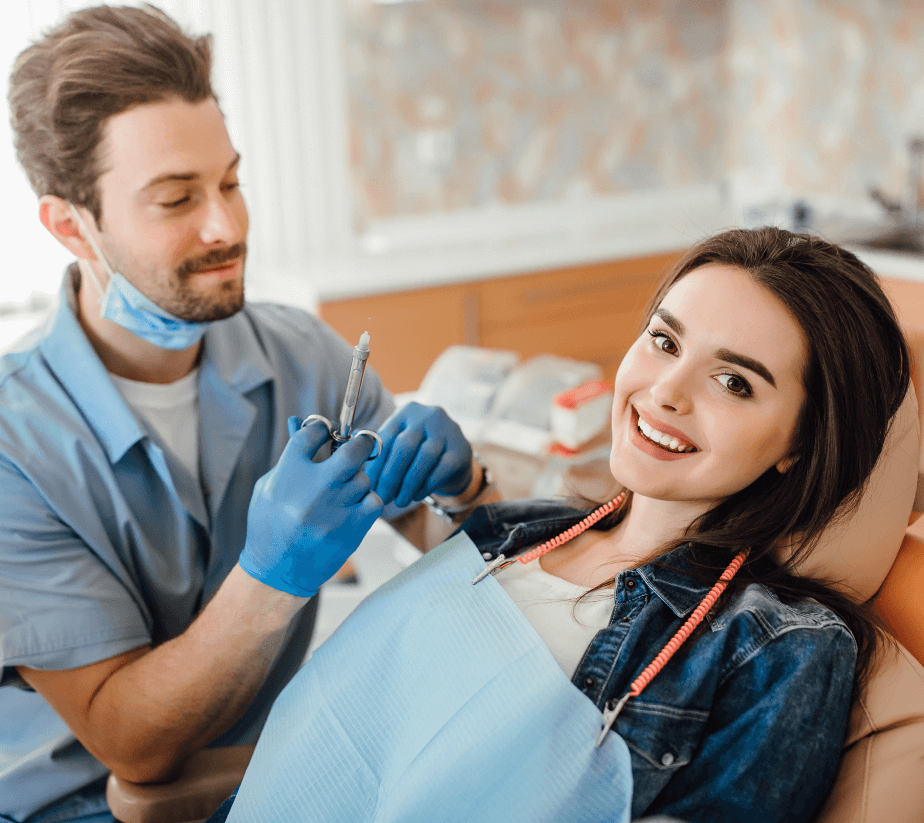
[670, 391]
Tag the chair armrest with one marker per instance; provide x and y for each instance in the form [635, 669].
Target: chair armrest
[203, 783]
[879, 779]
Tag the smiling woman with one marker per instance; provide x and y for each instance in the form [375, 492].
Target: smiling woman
[747, 416]
[779, 359]
[702, 377]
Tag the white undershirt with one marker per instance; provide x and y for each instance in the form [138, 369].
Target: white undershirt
[549, 604]
[171, 413]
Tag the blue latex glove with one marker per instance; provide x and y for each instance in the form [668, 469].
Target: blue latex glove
[305, 519]
[423, 452]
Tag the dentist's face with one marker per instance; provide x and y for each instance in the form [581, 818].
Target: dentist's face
[717, 380]
[174, 221]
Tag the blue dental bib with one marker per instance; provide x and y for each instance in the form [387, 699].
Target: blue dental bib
[435, 701]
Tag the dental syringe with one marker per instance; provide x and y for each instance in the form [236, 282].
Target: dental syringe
[345, 427]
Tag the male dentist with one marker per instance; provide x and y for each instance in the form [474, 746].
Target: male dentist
[163, 528]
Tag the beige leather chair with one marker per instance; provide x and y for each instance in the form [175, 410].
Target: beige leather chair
[881, 776]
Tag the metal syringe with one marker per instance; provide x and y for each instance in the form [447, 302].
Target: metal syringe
[348, 409]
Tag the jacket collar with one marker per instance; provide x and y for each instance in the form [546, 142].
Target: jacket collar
[512, 527]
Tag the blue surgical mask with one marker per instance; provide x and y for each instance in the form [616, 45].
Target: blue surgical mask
[123, 304]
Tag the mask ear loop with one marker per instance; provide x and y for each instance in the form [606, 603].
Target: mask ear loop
[84, 265]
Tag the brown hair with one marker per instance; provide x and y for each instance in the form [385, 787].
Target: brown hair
[96, 64]
[857, 375]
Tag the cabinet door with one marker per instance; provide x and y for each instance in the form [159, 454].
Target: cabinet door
[586, 313]
[407, 330]
[907, 297]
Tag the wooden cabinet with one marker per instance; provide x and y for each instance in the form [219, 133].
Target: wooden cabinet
[907, 297]
[586, 312]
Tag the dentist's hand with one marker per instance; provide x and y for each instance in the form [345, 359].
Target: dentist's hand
[305, 519]
[423, 452]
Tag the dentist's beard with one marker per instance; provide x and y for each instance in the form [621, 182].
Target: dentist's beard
[223, 300]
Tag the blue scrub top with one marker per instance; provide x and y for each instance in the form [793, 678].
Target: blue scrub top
[104, 545]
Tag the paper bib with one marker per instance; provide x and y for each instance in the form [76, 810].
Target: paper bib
[435, 701]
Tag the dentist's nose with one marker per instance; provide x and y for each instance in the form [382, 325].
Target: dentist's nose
[221, 225]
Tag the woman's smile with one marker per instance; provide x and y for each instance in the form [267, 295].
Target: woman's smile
[659, 440]
[708, 397]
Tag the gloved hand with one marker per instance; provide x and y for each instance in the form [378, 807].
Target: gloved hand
[305, 519]
[423, 452]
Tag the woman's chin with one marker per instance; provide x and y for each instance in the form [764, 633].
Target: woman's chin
[626, 478]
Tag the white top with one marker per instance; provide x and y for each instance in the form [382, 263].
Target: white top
[170, 411]
[565, 624]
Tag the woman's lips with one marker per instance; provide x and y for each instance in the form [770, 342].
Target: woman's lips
[652, 449]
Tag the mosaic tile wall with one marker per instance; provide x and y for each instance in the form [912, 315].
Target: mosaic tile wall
[455, 104]
[826, 93]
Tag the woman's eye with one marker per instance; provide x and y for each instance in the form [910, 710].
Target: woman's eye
[173, 204]
[734, 384]
[663, 342]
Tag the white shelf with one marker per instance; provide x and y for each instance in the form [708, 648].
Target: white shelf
[409, 253]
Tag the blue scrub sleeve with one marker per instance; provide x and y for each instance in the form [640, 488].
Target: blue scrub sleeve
[60, 606]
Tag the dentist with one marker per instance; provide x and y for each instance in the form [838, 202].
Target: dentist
[163, 527]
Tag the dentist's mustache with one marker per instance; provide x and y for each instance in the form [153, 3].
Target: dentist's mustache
[214, 258]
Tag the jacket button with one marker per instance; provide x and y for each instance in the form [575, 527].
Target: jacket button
[590, 682]
[631, 583]
[667, 759]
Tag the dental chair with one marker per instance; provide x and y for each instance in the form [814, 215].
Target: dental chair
[881, 775]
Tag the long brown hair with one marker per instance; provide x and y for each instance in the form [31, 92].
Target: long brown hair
[98, 63]
[857, 375]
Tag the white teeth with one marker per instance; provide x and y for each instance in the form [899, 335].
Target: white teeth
[666, 440]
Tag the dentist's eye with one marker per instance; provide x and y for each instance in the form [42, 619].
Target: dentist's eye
[662, 341]
[734, 384]
[175, 204]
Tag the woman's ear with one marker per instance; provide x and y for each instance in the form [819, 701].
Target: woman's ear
[786, 463]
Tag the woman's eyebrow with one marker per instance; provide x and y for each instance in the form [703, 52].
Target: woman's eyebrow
[746, 363]
[722, 354]
[671, 321]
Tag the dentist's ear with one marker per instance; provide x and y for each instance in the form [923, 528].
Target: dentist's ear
[786, 463]
[56, 216]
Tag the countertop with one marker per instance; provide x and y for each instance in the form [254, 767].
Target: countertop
[425, 251]
[901, 265]
[434, 250]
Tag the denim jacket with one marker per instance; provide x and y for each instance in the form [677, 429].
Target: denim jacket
[746, 720]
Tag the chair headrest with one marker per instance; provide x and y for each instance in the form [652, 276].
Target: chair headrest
[856, 553]
[859, 551]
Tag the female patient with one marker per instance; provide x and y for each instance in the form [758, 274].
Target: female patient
[749, 412]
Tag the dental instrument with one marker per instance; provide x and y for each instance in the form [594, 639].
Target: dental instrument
[344, 432]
